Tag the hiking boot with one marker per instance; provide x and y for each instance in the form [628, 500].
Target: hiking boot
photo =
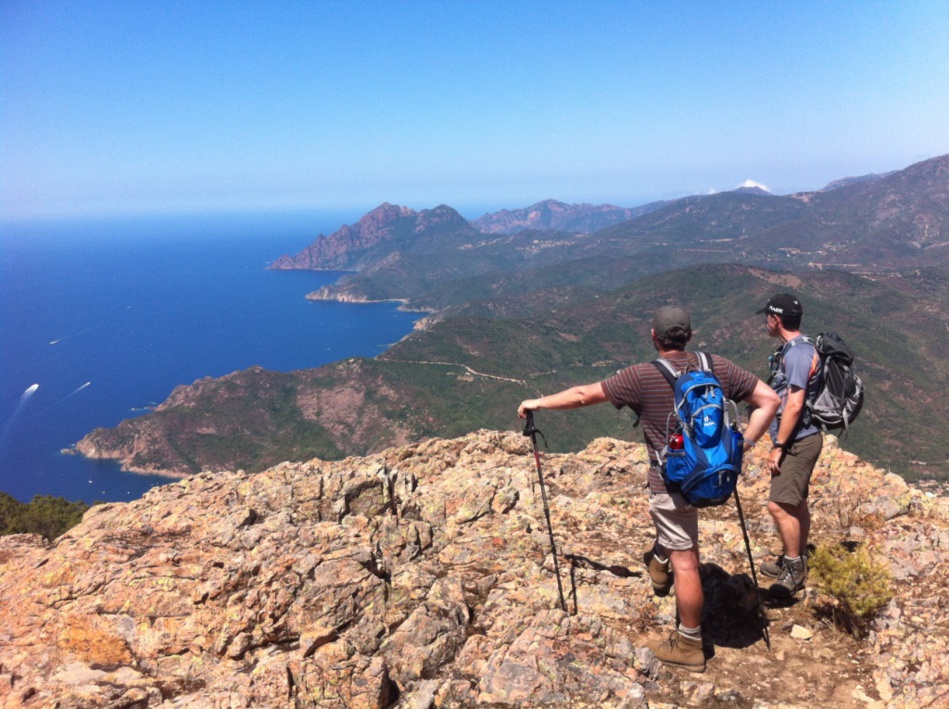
[660, 572]
[791, 579]
[679, 651]
[772, 569]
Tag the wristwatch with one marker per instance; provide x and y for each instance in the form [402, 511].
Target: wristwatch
[782, 446]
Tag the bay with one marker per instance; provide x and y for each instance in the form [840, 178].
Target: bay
[101, 319]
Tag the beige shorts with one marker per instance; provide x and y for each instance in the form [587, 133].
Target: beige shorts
[677, 522]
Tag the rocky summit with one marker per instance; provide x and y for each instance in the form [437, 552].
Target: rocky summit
[422, 577]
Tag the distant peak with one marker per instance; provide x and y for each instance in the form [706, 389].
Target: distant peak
[752, 187]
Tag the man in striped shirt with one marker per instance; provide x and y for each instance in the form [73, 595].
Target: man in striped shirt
[644, 389]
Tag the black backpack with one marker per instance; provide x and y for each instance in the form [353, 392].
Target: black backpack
[840, 399]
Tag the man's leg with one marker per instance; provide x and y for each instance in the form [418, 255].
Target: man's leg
[789, 507]
[688, 586]
[678, 531]
[657, 564]
[804, 517]
[788, 521]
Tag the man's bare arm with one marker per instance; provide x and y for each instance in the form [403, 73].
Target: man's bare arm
[573, 398]
[765, 403]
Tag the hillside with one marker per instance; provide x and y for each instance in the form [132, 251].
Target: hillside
[551, 215]
[470, 370]
[421, 577]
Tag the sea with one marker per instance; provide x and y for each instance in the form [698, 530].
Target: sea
[100, 319]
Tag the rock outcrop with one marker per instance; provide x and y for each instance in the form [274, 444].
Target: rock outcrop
[422, 577]
[387, 227]
[336, 250]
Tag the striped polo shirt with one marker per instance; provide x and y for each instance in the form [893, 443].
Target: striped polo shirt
[642, 388]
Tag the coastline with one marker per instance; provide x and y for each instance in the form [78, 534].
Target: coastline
[87, 449]
[122, 461]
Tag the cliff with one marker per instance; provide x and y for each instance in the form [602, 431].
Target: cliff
[385, 229]
[336, 250]
[421, 577]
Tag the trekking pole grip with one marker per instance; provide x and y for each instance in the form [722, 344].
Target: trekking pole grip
[531, 430]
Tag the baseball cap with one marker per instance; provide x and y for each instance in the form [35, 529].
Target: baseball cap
[669, 317]
[782, 304]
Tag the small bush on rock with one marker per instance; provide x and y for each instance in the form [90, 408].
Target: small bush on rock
[861, 585]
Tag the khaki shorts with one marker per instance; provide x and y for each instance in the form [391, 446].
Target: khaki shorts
[791, 486]
[677, 522]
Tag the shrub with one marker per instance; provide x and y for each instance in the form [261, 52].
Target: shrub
[46, 515]
[861, 585]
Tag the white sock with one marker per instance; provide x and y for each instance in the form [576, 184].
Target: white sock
[691, 633]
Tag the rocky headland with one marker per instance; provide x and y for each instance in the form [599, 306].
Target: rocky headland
[422, 577]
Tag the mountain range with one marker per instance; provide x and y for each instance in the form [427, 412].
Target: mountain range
[434, 258]
[535, 311]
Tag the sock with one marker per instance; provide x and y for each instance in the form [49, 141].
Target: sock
[690, 633]
[791, 559]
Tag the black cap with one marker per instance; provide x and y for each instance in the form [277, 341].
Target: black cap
[782, 304]
[669, 317]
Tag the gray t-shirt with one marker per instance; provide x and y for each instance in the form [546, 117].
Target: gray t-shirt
[800, 368]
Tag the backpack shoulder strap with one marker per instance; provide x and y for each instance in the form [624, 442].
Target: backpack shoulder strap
[667, 370]
[705, 362]
[672, 374]
[798, 340]
[776, 361]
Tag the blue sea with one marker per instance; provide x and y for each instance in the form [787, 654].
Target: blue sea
[101, 319]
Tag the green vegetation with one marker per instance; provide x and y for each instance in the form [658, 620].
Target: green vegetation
[468, 372]
[49, 516]
[861, 585]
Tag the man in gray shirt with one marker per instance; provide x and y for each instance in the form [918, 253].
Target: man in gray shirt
[796, 443]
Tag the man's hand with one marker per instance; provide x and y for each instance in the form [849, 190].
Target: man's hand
[774, 461]
[526, 405]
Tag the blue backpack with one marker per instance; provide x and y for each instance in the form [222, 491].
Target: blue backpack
[702, 457]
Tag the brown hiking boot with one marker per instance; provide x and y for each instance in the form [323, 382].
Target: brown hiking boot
[679, 651]
[660, 572]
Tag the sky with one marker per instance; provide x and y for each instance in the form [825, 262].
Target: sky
[149, 107]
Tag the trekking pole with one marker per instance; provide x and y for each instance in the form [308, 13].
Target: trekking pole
[531, 430]
[762, 613]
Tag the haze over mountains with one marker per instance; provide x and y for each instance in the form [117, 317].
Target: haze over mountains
[536, 310]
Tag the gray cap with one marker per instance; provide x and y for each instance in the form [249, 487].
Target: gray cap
[669, 317]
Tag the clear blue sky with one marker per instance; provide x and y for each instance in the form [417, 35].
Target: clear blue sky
[131, 106]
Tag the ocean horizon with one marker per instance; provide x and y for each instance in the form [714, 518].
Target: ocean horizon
[100, 319]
